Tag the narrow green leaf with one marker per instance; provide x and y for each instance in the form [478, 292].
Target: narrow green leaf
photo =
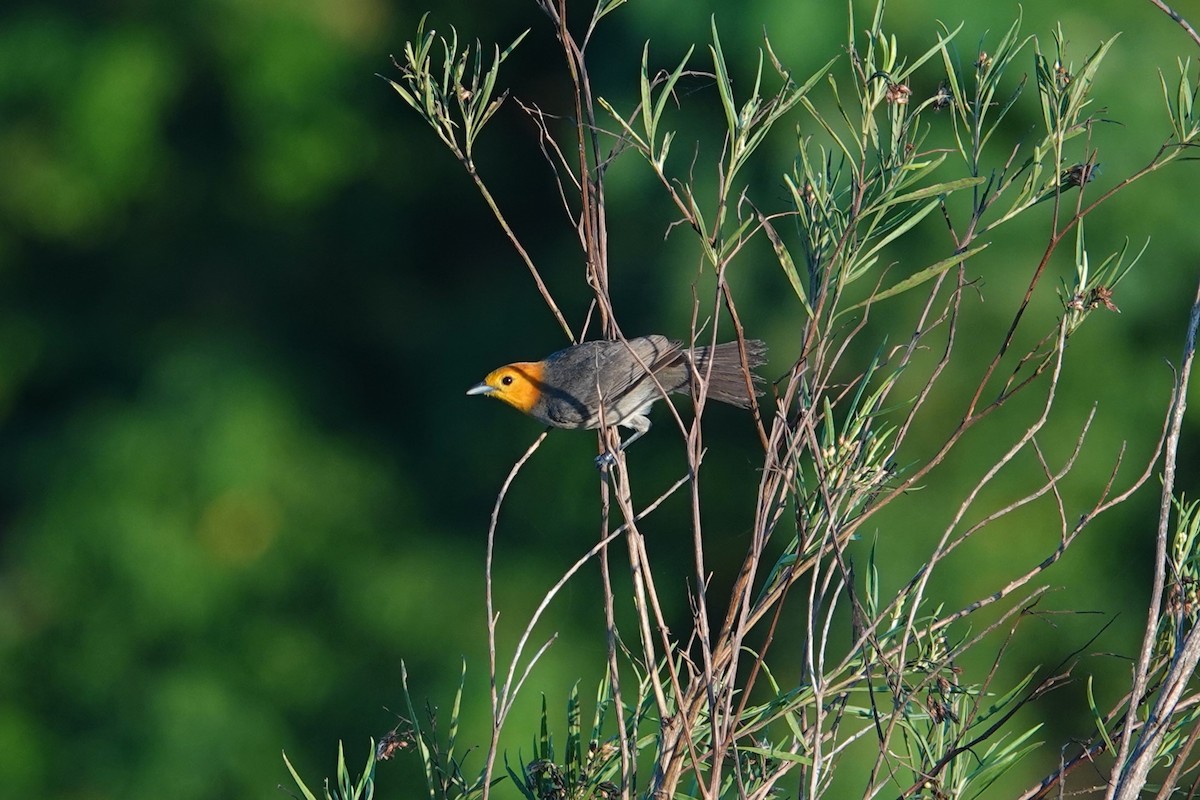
[574, 754]
[793, 723]
[519, 780]
[904, 227]
[664, 149]
[1000, 703]
[1002, 751]
[915, 170]
[545, 743]
[806, 87]
[508, 50]
[1082, 83]
[603, 698]
[937, 190]
[1003, 111]
[786, 263]
[365, 788]
[828, 430]
[988, 774]
[630, 132]
[871, 583]
[724, 87]
[920, 277]
[405, 95]
[1046, 92]
[757, 90]
[1099, 717]
[644, 88]
[452, 731]
[607, 8]
[343, 775]
[1172, 108]
[698, 216]
[829, 129]
[1187, 96]
[668, 88]
[449, 65]
[296, 777]
[780, 754]
[419, 737]
[482, 96]
[909, 69]
[734, 237]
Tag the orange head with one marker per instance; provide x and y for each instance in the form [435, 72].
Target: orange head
[519, 385]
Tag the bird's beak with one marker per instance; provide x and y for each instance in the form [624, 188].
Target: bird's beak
[482, 388]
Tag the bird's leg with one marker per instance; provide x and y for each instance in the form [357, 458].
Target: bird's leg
[640, 426]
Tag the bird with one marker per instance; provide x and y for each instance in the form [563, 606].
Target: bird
[616, 382]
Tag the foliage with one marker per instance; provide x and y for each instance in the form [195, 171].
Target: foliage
[241, 300]
[833, 432]
[347, 788]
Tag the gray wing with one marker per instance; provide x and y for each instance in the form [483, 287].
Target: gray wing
[613, 369]
[625, 364]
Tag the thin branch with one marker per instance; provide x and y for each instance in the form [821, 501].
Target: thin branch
[497, 696]
[1175, 15]
[1128, 778]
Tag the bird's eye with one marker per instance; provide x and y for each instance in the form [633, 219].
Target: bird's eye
[507, 380]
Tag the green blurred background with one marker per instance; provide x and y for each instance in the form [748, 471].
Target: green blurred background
[242, 291]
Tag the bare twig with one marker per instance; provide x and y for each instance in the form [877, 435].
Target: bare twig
[1129, 777]
[498, 694]
[505, 694]
[1175, 15]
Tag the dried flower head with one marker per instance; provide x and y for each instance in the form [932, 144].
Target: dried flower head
[393, 742]
[1102, 296]
[1061, 74]
[897, 94]
[1080, 174]
[942, 98]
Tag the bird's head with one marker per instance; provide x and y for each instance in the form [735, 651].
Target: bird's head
[519, 385]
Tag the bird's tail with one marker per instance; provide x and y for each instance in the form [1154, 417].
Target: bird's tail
[726, 380]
